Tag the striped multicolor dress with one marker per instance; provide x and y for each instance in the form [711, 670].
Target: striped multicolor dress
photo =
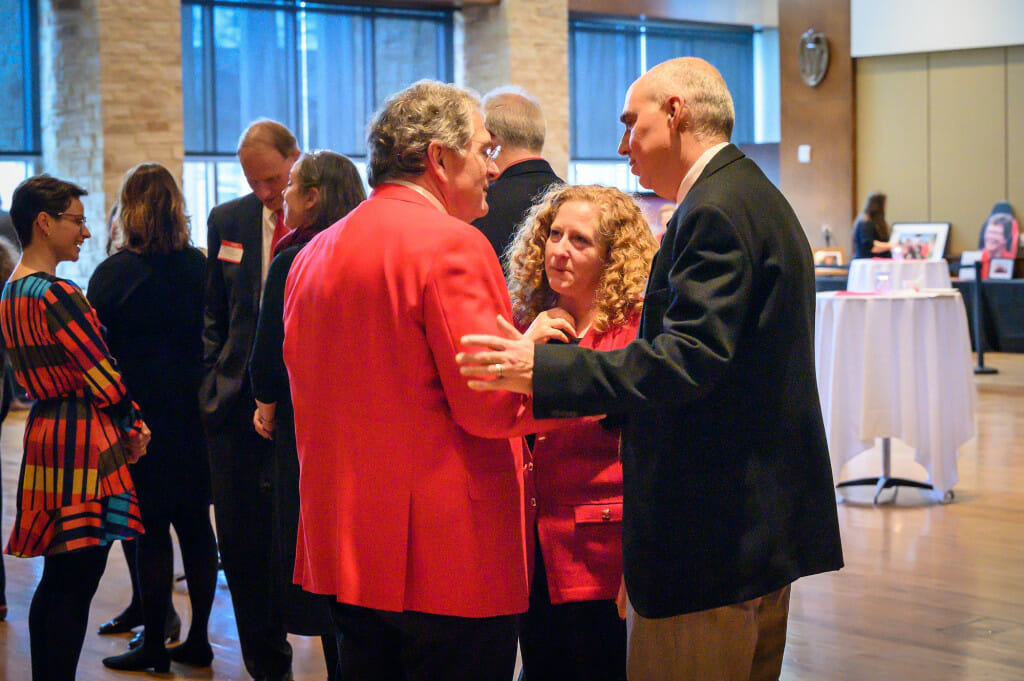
[74, 490]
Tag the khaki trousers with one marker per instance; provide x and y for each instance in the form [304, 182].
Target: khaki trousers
[739, 642]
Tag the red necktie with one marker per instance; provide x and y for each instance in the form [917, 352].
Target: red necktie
[279, 230]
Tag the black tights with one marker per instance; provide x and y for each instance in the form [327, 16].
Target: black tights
[155, 562]
[59, 614]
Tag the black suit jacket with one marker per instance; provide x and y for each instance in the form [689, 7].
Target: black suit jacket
[510, 197]
[232, 305]
[728, 487]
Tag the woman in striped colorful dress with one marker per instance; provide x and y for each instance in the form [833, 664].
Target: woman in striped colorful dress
[75, 495]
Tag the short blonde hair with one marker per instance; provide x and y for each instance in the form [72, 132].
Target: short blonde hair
[622, 229]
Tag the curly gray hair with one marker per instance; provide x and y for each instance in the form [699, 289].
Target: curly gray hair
[425, 112]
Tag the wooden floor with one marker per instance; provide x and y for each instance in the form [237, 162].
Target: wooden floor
[929, 593]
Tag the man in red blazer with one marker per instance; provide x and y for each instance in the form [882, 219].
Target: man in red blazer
[411, 491]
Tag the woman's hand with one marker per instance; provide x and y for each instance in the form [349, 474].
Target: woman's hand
[137, 443]
[553, 324]
[620, 599]
[264, 420]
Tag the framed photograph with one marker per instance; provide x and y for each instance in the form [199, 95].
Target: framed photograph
[1000, 268]
[967, 260]
[921, 240]
[829, 257]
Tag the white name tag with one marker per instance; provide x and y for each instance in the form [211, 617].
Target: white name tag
[230, 252]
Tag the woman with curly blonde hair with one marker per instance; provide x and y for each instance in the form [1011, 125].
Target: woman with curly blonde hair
[578, 263]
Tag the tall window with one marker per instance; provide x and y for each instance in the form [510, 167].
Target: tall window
[614, 53]
[19, 94]
[321, 69]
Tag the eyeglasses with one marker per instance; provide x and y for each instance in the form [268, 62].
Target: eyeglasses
[77, 219]
[492, 153]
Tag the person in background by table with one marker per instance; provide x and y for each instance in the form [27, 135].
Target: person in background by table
[75, 495]
[583, 252]
[871, 231]
[322, 188]
[161, 356]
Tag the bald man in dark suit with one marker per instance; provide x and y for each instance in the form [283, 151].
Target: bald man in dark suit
[729, 496]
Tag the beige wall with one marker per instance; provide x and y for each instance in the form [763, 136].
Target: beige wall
[111, 97]
[524, 43]
[941, 135]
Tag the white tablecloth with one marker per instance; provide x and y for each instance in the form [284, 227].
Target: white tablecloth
[896, 366]
[927, 274]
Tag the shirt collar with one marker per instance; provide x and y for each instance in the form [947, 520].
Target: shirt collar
[691, 176]
[422, 192]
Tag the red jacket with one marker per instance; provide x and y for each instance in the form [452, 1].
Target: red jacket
[574, 491]
[411, 491]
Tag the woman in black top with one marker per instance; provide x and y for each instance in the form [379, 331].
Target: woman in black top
[149, 296]
[322, 188]
[871, 231]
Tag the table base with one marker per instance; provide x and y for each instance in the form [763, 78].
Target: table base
[885, 480]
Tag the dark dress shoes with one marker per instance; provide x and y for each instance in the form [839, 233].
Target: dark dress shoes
[287, 676]
[139, 660]
[123, 623]
[172, 632]
[192, 654]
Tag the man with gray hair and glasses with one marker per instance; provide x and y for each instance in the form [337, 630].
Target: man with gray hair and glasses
[411, 491]
[516, 122]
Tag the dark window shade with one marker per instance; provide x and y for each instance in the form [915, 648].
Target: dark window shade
[19, 78]
[731, 53]
[603, 64]
[605, 58]
[320, 69]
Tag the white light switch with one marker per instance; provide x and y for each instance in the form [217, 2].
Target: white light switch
[803, 153]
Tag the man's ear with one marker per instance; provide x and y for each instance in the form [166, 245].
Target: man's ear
[678, 113]
[435, 159]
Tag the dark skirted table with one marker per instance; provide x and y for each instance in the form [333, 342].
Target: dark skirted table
[1002, 320]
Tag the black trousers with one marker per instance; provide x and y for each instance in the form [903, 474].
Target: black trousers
[242, 485]
[576, 641]
[378, 645]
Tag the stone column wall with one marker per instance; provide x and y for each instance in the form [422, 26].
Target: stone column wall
[524, 43]
[111, 97]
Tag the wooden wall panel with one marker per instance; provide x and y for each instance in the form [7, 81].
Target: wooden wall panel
[967, 144]
[892, 139]
[746, 12]
[1015, 129]
[822, 117]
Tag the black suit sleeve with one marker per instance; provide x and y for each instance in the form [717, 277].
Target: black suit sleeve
[266, 364]
[690, 330]
[215, 315]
